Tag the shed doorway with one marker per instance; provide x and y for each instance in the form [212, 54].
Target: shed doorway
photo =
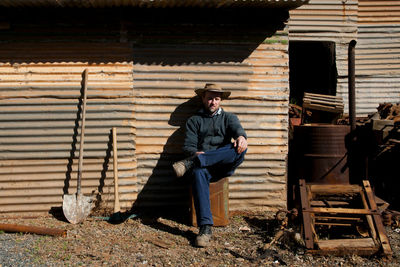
[312, 69]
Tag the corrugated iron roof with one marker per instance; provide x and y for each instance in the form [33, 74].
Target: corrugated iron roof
[288, 4]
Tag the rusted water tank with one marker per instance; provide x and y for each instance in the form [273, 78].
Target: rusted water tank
[320, 153]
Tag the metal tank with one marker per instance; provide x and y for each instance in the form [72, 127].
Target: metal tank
[320, 153]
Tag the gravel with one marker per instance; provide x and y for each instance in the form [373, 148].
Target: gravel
[162, 241]
[16, 249]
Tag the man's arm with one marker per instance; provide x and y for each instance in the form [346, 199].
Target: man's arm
[191, 138]
[239, 134]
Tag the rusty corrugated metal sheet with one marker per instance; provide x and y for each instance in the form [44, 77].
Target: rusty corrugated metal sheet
[324, 20]
[377, 55]
[375, 26]
[39, 121]
[379, 12]
[154, 3]
[328, 20]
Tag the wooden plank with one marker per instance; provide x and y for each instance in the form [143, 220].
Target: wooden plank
[338, 218]
[340, 210]
[344, 251]
[334, 189]
[321, 107]
[312, 216]
[327, 97]
[319, 95]
[306, 215]
[334, 224]
[318, 203]
[346, 243]
[311, 101]
[387, 250]
[369, 218]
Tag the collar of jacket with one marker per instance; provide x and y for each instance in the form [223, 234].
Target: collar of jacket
[218, 112]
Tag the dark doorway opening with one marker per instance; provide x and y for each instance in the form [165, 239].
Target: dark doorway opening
[312, 69]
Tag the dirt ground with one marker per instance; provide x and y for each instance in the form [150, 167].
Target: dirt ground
[152, 241]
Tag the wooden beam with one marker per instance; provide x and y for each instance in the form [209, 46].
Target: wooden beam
[336, 189]
[333, 224]
[341, 211]
[356, 219]
[369, 218]
[387, 250]
[305, 204]
[346, 243]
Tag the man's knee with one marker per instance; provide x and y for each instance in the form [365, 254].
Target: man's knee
[240, 157]
[199, 174]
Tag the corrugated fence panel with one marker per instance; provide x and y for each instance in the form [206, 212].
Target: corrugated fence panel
[377, 55]
[40, 123]
[331, 20]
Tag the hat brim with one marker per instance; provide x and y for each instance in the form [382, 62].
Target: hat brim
[201, 91]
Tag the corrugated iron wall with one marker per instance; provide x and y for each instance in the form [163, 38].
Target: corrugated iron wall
[377, 54]
[41, 67]
[238, 57]
[142, 73]
[328, 20]
[40, 131]
[164, 100]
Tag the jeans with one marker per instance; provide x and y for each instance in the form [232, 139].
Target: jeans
[212, 166]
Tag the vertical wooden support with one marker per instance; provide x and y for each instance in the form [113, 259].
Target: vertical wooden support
[115, 169]
[305, 205]
[369, 217]
[387, 250]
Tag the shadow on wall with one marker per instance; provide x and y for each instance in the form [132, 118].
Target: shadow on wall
[177, 36]
[163, 183]
[185, 37]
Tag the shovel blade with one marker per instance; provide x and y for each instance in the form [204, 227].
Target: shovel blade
[76, 207]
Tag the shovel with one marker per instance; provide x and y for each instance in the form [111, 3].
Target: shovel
[77, 207]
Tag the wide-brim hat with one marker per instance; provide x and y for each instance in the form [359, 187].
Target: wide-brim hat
[212, 87]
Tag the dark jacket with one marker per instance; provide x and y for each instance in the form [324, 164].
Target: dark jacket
[204, 133]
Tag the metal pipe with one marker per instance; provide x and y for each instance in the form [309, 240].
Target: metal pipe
[352, 87]
[14, 228]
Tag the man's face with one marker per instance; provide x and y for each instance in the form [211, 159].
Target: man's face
[211, 101]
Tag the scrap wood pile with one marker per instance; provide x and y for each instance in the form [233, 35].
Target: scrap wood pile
[389, 111]
[386, 127]
[317, 108]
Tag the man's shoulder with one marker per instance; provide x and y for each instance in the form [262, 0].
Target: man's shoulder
[194, 118]
[228, 114]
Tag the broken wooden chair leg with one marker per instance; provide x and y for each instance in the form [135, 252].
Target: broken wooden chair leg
[342, 219]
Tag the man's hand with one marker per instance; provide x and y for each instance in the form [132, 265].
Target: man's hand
[240, 144]
[198, 153]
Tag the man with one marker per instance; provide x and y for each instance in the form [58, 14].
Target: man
[212, 154]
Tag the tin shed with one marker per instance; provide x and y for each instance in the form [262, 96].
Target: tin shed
[145, 58]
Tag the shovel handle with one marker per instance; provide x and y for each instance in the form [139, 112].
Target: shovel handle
[80, 165]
